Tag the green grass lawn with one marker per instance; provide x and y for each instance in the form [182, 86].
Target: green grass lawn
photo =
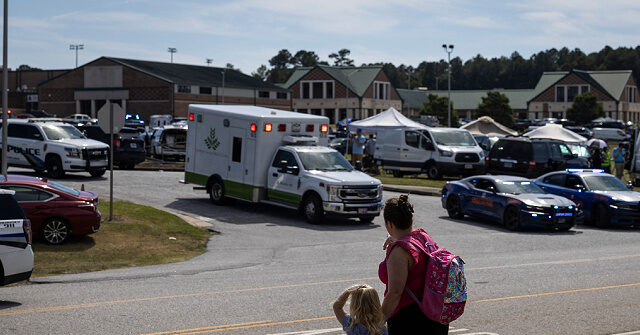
[138, 235]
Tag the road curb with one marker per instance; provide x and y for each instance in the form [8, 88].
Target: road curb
[428, 191]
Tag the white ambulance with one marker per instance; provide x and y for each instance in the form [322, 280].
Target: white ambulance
[277, 157]
[54, 146]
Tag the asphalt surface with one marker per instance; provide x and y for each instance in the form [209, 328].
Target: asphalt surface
[269, 272]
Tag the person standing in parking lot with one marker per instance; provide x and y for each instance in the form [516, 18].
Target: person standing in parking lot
[358, 147]
[618, 157]
[606, 160]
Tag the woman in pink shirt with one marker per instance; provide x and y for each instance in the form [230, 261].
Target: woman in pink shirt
[405, 266]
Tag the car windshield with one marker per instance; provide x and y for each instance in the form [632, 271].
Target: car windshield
[604, 183]
[63, 188]
[454, 138]
[580, 150]
[55, 132]
[518, 187]
[324, 161]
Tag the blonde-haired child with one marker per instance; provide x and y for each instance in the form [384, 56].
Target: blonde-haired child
[365, 314]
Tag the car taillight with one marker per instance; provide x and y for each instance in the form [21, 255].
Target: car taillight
[26, 227]
[532, 164]
[116, 143]
[486, 160]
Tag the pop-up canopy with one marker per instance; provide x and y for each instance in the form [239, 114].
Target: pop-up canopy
[389, 119]
[555, 131]
[487, 126]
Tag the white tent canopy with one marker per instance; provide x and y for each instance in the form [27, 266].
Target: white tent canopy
[487, 126]
[555, 131]
[389, 119]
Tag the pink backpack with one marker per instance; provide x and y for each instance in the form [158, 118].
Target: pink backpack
[445, 290]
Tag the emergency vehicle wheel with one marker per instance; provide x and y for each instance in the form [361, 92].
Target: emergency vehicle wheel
[216, 192]
[512, 218]
[54, 167]
[312, 209]
[600, 216]
[454, 208]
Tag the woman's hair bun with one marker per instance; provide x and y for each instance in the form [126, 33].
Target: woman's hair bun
[405, 205]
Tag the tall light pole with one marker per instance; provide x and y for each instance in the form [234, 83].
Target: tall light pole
[5, 85]
[172, 51]
[209, 61]
[224, 71]
[76, 47]
[448, 49]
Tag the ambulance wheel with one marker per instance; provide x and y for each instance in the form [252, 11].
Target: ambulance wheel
[600, 216]
[312, 209]
[512, 218]
[54, 167]
[97, 173]
[216, 192]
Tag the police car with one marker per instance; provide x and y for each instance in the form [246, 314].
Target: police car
[54, 146]
[513, 201]
[604, 199]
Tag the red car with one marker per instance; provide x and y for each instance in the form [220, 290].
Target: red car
[56, 211]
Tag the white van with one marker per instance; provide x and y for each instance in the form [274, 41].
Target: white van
[54, 146]
[435, 151]
[16, 255]
[610, 134]
[277, 157]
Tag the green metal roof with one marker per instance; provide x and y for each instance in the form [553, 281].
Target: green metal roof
[546, 80]
[357, 79]
[464, 99]
[184, 74]
[612, 81]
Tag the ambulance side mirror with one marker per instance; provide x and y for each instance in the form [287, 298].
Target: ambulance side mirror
[282, 166]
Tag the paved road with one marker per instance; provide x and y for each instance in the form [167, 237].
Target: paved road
[271, 273]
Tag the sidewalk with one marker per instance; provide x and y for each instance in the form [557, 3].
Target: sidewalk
[420, 190]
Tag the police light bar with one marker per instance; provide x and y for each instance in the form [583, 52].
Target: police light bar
[584, 170]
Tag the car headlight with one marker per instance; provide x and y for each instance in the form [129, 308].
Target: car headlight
[333, 190]
[536, 208]
[73, 152]
[622, 205]
[380, 187]
[481, 154]
[446, 153]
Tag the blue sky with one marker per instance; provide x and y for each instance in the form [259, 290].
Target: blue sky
[247, 33]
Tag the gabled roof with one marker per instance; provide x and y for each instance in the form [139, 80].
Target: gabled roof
[464, 99]
[357, 79]
[185, 74]
[610, 82]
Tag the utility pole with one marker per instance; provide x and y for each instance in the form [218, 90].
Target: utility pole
[76, 47]
[5, 95]
[448, 50]
[223, 73]
[172, 51]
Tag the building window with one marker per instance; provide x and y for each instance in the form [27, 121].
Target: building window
[184, 89]
[381, 90]
[205, 90]
[281, 95]
[263, 94]
[559, 93]
[317, 89]
[572, 91]
[584, 89]
[632, 92]
[566, 93]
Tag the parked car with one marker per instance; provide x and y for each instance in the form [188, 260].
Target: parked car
[522, 124]
[133, 120]
[486, 142]
[56, 211]
[609, 124]
[611, 134]
[128, 147]
[16, 255]
[582, 131]
[515, 202]
[526, 157]
[79, 119]
[169, 142]
[604, 199]
[340, 144]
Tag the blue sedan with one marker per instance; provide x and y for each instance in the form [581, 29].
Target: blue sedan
[512, 201]
[604, 199]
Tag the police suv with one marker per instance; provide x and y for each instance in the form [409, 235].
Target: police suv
[54, 146]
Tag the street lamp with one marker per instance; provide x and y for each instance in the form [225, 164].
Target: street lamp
[224, 71]
[76, 47]
[209, 61]
[172, 51]
[5, 100]
[448, 49]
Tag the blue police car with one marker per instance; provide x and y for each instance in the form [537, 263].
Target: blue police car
[513, 201]
[605, 200]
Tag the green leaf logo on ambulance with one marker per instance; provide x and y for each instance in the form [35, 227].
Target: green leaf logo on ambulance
[212, 141]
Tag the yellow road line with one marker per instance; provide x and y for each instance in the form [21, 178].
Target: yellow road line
[215, 329]
[554, 293]
[102, 303]
[211, 327]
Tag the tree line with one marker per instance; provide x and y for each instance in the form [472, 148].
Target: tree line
[477, 73]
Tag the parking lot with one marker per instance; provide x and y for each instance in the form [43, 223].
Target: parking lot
[269, 272]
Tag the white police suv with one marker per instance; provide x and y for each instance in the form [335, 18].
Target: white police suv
[16, 255]
[54, 146]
